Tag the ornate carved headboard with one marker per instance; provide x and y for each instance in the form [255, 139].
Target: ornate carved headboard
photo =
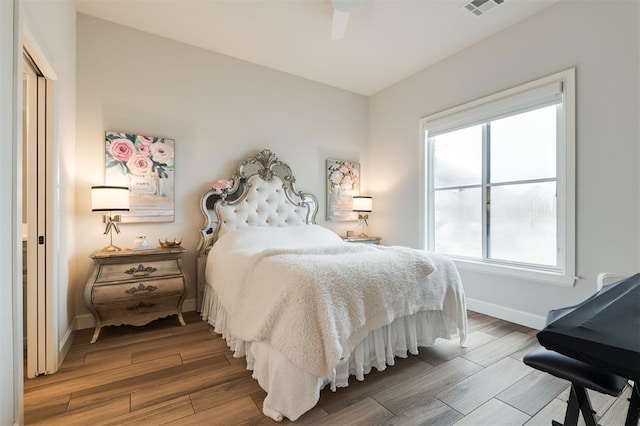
[263, 194]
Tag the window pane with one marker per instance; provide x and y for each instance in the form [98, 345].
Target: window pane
[523, 146]
[523, 223]
[458, 157]
[458, 222]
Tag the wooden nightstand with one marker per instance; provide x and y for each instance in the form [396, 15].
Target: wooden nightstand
[136, 286]
[363, 240]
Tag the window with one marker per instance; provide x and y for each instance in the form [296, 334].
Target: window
[500, 181]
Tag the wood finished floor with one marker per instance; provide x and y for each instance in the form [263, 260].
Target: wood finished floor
[163, 373]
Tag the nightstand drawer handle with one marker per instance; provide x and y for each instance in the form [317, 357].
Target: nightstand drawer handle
[141, 305]
[141, 271]
[141, 287]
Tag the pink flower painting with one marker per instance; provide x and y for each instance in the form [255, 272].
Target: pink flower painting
[146, 165]
[343, 182]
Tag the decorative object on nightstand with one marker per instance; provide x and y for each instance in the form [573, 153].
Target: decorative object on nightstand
[140, 243]
[110, 199]
[363, 205]
[168, 244]
[363, 240]
[136, 287]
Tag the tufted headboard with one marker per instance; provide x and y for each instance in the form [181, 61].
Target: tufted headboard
[262, 194]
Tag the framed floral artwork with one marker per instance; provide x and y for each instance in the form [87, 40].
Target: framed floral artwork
[146, 165]
[343, 182]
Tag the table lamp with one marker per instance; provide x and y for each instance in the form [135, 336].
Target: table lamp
[363, 205]
[110, 199]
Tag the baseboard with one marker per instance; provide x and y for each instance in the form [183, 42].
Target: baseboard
[519, 317]
[86, 320]
[65, 342]
[189, 305]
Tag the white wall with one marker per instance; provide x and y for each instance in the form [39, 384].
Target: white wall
[10, 303]
[219, 110]
[600, 39]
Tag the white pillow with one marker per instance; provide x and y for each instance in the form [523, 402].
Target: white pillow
[265, 237]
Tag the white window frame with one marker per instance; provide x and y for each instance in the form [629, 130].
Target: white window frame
[490, 108]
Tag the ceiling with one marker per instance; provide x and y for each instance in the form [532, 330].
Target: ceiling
[385, 40]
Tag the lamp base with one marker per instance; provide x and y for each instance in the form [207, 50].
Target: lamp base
[363, 222]
[111, 247]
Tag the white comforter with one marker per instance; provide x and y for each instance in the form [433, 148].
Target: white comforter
[313, 305]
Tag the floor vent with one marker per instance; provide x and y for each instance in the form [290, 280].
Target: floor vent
[480, 7]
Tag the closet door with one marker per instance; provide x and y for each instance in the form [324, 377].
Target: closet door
[39, 337]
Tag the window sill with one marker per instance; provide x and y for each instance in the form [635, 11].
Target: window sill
[546, 277]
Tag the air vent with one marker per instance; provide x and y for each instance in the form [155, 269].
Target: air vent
[480, 7]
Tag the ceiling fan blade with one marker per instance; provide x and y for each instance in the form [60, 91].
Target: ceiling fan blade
[346, 5]
[339, 26]
[341, 12]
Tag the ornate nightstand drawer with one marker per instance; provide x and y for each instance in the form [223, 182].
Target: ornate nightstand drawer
[134, 306]
[150, 288]
[138, 270]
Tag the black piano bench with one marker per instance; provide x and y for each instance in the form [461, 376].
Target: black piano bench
[581, 375]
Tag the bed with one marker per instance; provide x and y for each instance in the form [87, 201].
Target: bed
[305, 308]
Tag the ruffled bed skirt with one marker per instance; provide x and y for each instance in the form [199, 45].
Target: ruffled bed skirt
[291, 391]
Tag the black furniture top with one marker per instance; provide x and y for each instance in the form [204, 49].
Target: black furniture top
[603, 331]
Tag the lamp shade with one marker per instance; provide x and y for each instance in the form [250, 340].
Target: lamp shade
[362, 204]
[109, 198]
